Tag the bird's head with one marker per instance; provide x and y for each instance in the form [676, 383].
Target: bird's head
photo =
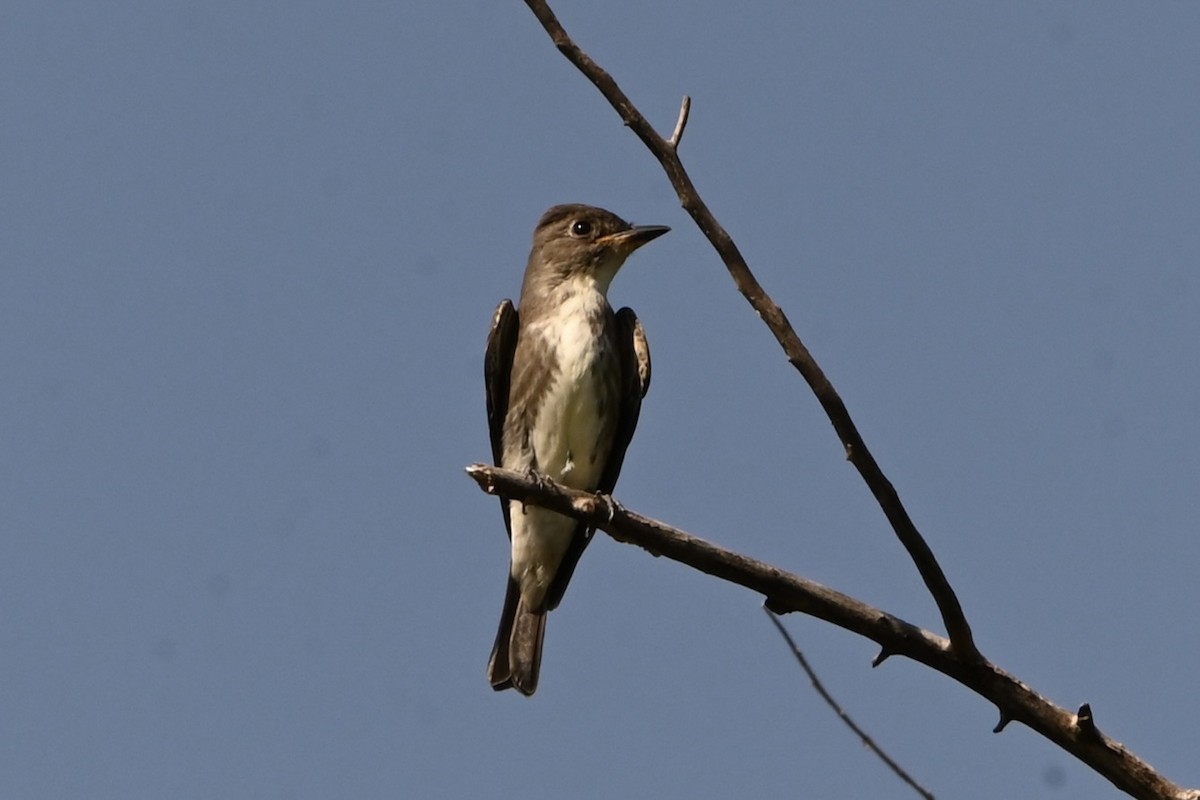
[583, 242]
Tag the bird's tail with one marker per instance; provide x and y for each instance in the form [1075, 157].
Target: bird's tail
[517, 654]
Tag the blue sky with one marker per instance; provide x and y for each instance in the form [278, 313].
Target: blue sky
[249, 257]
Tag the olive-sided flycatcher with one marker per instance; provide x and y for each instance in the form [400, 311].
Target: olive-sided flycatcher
[565, 379]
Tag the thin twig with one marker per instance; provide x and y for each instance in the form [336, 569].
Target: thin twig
[685, 109]
[856, 449]
[785, 592]
[841, 712]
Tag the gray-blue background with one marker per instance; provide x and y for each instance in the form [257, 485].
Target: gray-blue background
[248, 256]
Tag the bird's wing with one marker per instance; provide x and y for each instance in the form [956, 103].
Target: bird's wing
[497, 372]
[634, 353]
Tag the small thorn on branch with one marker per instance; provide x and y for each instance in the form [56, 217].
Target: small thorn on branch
[685, 109]
[1005, 718]
[1086, 722]
[884, 654]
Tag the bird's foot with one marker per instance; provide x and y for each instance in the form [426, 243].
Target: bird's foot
[611, 506]
[537, 478]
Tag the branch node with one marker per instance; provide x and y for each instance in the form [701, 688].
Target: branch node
[479, 474]
[685, 109]
[1086, 722]
[587, 506]
[776, 607]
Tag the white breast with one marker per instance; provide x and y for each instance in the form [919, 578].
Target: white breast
[569, 424]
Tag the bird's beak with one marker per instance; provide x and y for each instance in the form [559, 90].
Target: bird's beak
[629, 240]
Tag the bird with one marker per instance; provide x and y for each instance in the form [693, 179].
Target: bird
[565, 376]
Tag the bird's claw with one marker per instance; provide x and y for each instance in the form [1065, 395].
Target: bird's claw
[611, 505]
[537, 478]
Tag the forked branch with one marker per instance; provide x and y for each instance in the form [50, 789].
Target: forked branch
[957, 657]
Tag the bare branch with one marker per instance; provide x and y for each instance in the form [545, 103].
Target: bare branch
[785, 592]
[856, 449]
[837, 709]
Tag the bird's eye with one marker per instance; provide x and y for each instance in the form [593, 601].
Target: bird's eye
[581, 227]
